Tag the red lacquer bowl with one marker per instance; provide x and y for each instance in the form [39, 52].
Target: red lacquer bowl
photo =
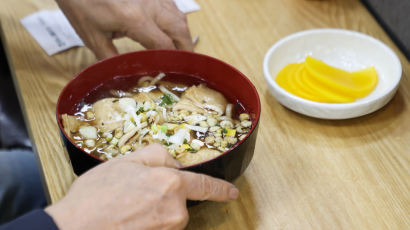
[216, 74]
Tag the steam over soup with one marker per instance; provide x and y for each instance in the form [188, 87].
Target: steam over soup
[195, 123]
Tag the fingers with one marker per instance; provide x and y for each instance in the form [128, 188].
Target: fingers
[102, 46]
[195, 186]
[174, 23]
[203, 187]
[149, 35]
[180, 35]
[154, 156]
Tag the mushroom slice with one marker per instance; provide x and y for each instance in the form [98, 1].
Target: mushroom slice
[107, 114]
[187, 105]
[70, 124]
[202, 97]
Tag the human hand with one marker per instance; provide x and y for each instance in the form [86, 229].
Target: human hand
[156, 24]
[143, 190]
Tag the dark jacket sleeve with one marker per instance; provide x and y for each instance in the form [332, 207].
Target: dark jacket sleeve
[34, 220]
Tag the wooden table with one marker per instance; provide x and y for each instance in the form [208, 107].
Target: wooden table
[306, 173]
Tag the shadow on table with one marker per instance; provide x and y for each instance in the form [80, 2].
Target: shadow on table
[239, 214]
[381, 123]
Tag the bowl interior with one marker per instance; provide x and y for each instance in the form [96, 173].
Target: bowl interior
[344, 49]
[218, 75]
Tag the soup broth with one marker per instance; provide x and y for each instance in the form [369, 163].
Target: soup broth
[193, 121]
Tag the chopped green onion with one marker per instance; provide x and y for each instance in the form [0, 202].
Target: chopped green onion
[164, 128]
[191, 150]
[166, 100]
[140, 110]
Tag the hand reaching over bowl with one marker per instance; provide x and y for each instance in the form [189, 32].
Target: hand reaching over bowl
[142, 190]
[156, 24]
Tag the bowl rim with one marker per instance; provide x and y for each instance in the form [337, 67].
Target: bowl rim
[333, 106]
[252, 87]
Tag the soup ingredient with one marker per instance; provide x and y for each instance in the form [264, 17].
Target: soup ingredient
[88, 132]
[200, 98]
[316, 81]
[195, 123]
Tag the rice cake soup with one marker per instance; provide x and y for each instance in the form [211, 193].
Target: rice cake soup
[194, 122]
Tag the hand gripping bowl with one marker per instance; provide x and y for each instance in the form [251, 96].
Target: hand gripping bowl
[216, 74]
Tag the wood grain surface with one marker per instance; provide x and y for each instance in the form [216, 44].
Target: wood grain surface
[306, 173]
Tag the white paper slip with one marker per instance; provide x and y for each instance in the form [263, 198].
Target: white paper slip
[52, 31]
[187, 6]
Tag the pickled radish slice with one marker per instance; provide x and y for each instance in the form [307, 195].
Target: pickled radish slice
[317, 81]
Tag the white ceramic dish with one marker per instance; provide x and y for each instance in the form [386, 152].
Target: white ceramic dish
[341, 48]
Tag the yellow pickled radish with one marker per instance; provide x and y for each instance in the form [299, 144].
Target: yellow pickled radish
[298, 75]
[294, 80]
[315, 80]
[284, 80]
[367, 78]
[282, 77]
[322, 90]
[338, 80]
[303, 84]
